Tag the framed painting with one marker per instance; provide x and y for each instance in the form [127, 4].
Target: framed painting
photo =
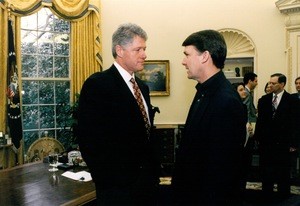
[156, 74]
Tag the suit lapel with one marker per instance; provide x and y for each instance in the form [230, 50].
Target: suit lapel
[125, 93]
[282, 102]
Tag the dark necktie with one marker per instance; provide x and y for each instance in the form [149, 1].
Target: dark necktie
[138, 97]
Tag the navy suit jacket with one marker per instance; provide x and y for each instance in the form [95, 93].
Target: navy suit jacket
[112, 135]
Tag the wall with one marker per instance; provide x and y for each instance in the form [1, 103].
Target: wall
[169, 22]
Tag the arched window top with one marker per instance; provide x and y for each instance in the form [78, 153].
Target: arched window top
[238, 43]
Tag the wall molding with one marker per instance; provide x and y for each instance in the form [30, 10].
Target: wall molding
[291, 10]
[238, 43]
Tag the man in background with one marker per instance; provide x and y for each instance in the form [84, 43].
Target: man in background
[208, 164]
[277, 129]
[115, 128]
[297, 85]
[250, 82]
[295, 154]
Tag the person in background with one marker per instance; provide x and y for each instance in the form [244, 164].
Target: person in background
[249, 143]
[268, 88]
[295, 154]
[114, 135]
[208, 162]
[250, 82]
[277, 128]
[240, 88]
[297, 85]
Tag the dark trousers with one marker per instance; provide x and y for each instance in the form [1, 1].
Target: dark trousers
[126, 197]
[144, 191]
[275, 168]
[246, 163]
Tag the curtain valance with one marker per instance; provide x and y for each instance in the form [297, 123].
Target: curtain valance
[72, 10]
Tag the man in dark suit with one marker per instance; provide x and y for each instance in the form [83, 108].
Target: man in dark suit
[208, 164]
[277, 128]
[295, 154]
[114, 135]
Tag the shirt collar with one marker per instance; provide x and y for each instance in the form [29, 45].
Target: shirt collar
[279, 95]
[125, 75]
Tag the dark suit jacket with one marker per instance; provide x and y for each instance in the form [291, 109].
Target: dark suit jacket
[296, 95]
[112, 134]
[276, 135]
[208, 162]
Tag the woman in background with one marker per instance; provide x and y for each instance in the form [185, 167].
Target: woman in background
[268, 88]
[249, 143]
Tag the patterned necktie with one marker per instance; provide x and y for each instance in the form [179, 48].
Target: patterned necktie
[274, 104]
[138, 97]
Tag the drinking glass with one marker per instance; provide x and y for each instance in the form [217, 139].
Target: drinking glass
[53, 160]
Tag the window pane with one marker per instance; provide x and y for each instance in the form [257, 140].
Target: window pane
[45, 48]
[47, 116]
[28, 44]
[61, 46]
[45, 20]
[29, 66]
[30, 92]
[61, 25]
[29, 22]
[46, 92]
[29, 138]
[30, 117]
[45, 66]
[62, 89]
[61, 67]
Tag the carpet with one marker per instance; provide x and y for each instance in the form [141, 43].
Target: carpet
[257, 186]
[250, 185]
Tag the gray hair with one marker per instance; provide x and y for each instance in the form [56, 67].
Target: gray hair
[124, 35]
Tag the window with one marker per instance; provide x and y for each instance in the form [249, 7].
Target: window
[45, 48]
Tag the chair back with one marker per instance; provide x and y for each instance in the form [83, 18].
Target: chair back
[42, 147]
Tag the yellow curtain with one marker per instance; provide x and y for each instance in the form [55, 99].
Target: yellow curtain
[3, 66]
[86, 51]
[3, 63]
[85, 35]
[4, 16]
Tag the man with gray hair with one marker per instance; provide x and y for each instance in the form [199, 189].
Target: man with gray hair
[115, 122]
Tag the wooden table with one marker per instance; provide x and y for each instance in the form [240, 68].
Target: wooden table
[33, 184]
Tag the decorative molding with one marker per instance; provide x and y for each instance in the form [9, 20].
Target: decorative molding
[288, 6]
[292, 20]
[237, 42]
[293, 70]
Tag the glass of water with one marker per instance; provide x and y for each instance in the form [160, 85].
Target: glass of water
[53, 160]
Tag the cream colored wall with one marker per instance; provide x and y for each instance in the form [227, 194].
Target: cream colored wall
[169, 22]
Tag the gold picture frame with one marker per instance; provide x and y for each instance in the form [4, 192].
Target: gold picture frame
[156, 74]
